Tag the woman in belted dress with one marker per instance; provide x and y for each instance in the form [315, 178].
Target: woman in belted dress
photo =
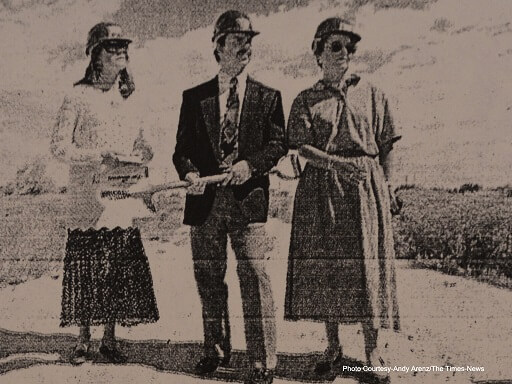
[107, 279]
[341, 257]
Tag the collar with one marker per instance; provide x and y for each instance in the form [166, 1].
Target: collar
[350, 80]
[224, 81]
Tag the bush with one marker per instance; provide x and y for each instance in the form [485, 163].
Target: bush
[456, 233]
[31, 179]
[469, 188]
[405, 187]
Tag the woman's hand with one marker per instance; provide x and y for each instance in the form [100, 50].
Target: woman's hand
[349, 172]
[395, 201]
[110, 158]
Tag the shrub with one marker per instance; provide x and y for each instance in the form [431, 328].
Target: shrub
[456, 233]
[31, 179]
[469, 187]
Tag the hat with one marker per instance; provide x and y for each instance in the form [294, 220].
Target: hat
[233, 22]
[335, 25]
[103, 32]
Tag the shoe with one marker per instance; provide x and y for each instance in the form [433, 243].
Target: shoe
[327, 362]
[373, 359]
[260, 376]
[207, 365]
[210, 363]
[112, 354]
[80, 354]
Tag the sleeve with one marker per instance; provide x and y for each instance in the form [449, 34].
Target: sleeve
[299, 124]
[62, 144]
[275, 145]
[388, 133]
[185, 139]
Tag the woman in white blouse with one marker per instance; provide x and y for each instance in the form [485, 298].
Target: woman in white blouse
[107, 279]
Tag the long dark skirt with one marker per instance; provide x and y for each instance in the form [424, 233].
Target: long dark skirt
[107, 279]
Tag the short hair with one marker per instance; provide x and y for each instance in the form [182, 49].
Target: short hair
[221, 41]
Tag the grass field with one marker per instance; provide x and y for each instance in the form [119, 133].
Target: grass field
[467, 234]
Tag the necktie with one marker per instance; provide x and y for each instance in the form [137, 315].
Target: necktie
[229, 128]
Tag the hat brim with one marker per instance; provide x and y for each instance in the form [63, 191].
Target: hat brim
[353, 36]
[224, 33]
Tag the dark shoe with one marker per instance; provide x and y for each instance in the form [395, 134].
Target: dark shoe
[325, 365]
[112, 354]
[80, 354]
[260, 376]
[208, 365]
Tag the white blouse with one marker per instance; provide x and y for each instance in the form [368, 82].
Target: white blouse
[89, 122]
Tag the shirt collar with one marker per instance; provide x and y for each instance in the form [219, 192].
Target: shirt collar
[224, 81]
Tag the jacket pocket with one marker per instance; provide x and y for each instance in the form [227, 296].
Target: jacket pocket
[254, 205]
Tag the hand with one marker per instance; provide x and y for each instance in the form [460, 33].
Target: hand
[238, 174]
[110, 158]
[350, 173]
[396, 202]
[289, 167]
[196, 186]
[143, 154]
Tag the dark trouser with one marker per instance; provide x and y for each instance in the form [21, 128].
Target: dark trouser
[209, 242]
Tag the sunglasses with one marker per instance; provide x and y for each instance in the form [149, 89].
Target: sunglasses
[337, 46]
[113, 46]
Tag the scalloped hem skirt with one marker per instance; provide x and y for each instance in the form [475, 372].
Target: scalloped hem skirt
[107, 279]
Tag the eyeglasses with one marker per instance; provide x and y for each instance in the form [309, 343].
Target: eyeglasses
[113, 46]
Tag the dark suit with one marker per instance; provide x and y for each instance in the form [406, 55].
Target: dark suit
[232, 211]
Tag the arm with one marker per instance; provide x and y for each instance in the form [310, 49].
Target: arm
[62, 144]
[185, 140]
[299, 124]
[385, 140]
[262, 161]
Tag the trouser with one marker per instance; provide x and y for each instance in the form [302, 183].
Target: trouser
[209, 243]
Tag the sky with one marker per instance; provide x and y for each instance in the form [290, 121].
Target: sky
[445, 66]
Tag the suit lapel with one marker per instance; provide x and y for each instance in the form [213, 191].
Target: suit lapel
[251, 102]
[211, 115]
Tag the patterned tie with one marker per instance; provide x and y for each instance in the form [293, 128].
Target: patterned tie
[229, 128]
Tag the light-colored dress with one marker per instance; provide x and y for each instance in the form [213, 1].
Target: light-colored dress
[341, 259]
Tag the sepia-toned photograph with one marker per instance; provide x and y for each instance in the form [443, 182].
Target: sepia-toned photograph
[256, 192]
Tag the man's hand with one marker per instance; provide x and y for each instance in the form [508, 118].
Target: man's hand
[238, 174]
[196, 186]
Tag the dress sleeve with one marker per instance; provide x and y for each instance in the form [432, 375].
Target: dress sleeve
[299, 124]
[62, 144]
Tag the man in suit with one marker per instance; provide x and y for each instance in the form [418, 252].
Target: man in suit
[231, 124]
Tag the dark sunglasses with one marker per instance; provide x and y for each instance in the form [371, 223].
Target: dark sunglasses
[337, 46]
[113, 46]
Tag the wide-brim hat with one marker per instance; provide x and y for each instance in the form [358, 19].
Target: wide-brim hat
[333, 26]
[105, 32]
[233, 22]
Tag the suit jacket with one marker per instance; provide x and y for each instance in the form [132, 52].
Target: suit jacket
[261, 142]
